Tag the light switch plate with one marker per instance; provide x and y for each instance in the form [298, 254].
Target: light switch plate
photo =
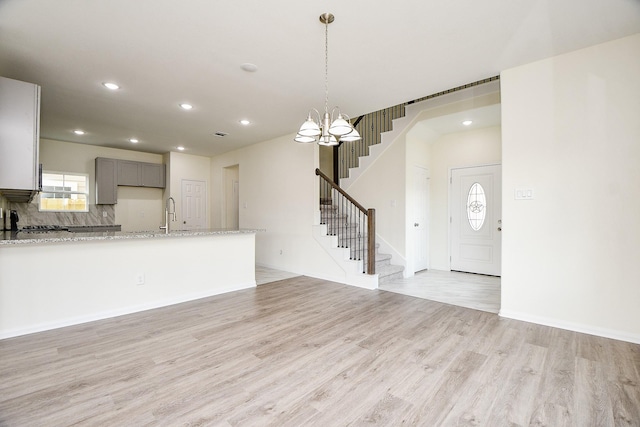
[524, 194]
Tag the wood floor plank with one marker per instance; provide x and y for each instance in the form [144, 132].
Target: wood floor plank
[554, 401]
[438, 404]
[476, 400]
[514, 402]
[592, 401]
[304, 351]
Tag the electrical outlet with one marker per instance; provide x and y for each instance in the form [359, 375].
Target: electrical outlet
[140, 279]
[104, 214]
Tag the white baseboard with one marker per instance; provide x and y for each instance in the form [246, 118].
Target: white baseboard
[570, 326]
[61, 323]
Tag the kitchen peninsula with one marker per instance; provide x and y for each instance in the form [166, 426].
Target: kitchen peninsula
[52, 280]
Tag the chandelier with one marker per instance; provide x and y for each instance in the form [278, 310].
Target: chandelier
[327, 130]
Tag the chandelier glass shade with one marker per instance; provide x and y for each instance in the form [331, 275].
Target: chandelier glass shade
[330, 129]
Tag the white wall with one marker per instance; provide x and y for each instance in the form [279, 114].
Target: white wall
[137, 208]
[382, 186]
[571, 133]
[278, 194]
[454, 150]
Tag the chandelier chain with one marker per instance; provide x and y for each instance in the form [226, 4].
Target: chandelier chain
[326, 66]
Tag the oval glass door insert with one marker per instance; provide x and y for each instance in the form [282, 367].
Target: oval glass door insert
[476, 206]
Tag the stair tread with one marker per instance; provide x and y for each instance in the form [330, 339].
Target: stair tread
[382, 257]
[389, 269]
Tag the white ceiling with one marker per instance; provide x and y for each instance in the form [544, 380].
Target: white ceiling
[481, 117]
[163, 52]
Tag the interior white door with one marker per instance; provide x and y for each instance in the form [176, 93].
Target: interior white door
[420, 218]
[476, 219]
[194, 204]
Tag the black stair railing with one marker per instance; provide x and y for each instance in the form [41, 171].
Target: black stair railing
[371, 127]
[354, 224]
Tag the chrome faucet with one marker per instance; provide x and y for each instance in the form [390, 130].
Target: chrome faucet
[168, 213]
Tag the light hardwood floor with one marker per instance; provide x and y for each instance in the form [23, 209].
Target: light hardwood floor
[306, 352]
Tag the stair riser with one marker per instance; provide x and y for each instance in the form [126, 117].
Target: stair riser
[390, 278]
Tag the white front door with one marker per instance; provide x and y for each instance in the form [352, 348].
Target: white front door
[420, 218]
[476, 219]
[194, 204]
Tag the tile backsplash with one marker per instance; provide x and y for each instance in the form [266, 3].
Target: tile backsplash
[29, 215]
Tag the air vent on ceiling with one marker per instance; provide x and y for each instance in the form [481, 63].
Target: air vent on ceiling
[220, 134]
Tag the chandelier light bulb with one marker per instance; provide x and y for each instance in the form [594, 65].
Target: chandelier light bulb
[328, 141]
[310, 128]
[351, 136]
[340, 126]
[304, 139]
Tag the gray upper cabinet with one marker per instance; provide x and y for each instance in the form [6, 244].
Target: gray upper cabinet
[153, 175]
[128, 173]
[111, 172]
[139, 174]
[106, 181]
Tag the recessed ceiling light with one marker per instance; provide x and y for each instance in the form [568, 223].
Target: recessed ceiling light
[180, 147]
[249, 67]
[79, 132]
[111, 85]
[245, 122]
[134, 140]
[467, 122]
[186, 106]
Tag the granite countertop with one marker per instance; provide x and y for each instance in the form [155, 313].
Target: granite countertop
[20, 238]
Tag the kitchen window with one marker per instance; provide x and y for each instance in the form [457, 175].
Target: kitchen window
[64, 192]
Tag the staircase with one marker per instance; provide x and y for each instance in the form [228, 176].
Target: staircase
[346, 233]
[342, 230]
